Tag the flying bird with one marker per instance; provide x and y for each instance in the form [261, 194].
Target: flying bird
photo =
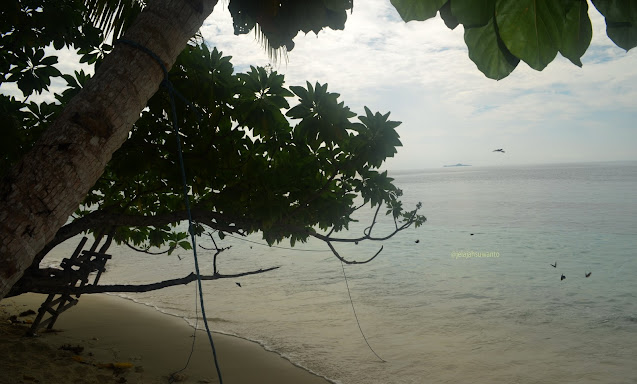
[239, 284]
[563, 277]
[587, 274]
[417, 241]
[554, 265]
[499, 150]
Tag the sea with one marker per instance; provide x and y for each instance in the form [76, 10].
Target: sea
[470, 296]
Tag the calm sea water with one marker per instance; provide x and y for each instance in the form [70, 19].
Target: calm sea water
[433, 316]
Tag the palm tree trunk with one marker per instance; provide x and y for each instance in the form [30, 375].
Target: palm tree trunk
[48, 184]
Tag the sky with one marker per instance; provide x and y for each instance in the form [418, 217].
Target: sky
[450, 112]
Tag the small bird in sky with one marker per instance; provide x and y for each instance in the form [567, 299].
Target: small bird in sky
[417, 241]
[587, 274]
[238, 284]
[554, 265]
[499, 150]
[563, 277]
[472, 234]
[179, 257]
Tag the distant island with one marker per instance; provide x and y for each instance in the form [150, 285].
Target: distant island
[458, 165]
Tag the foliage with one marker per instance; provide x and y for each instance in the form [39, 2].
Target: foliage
[27, 28]
[293, 178]
[246, 161]
[280, 21]
[500, 33]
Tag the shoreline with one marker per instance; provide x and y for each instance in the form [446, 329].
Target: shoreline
[200, 328]
[123, 341]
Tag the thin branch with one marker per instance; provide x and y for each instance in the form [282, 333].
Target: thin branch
[326, 238]
[338, 256]
[56, 288]
[147, 249]
[368, 230]
[217, 252]
[366, 236]
[97, 219]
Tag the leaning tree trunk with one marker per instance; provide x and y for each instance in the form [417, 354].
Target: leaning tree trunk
[48, 184]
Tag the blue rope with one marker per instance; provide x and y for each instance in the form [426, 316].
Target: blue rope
[171, 91]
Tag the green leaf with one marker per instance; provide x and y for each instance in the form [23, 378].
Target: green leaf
[577, 32]
[531, 29]
[621, 21]
[623, 34]
[298, 112]
[450, 20]
[38, 55]
[49, 60]
[417, 9]
[617, 10]
[299, 91]
[488, 52]
[473, 13]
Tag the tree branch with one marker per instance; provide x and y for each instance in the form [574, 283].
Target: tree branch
[338, 256]
[366, 236]
[146, 250]
[52, 285]
[101, 219]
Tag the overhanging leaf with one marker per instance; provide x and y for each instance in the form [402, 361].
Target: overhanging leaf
[531, 29]
[577, 33]
[417, 9]
[473, 13]
[450, 20]
[488, 52]
[622, 34]
[621, 21]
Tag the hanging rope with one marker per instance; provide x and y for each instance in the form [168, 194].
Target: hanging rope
[172, 92]
[275, 246]
[355, 316]
[172, 378]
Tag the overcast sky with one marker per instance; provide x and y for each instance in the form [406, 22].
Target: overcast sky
[450, 112]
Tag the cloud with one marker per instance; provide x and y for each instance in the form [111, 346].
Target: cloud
[422, 73]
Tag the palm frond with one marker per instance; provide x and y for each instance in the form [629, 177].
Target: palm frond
[113, 16]
[274, 53]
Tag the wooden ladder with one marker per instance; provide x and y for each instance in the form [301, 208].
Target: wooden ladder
[76, 271]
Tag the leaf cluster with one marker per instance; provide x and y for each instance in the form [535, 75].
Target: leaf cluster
[27, 27]
[280, 21]
[500, 33]
[28, 30]
[245, 159]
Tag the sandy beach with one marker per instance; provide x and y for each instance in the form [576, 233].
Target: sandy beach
[107, 339]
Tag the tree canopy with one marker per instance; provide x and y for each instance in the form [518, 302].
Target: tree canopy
[253, 161]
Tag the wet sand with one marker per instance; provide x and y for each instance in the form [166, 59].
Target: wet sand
[125, 342]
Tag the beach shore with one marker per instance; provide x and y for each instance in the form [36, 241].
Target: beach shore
[107, 339]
